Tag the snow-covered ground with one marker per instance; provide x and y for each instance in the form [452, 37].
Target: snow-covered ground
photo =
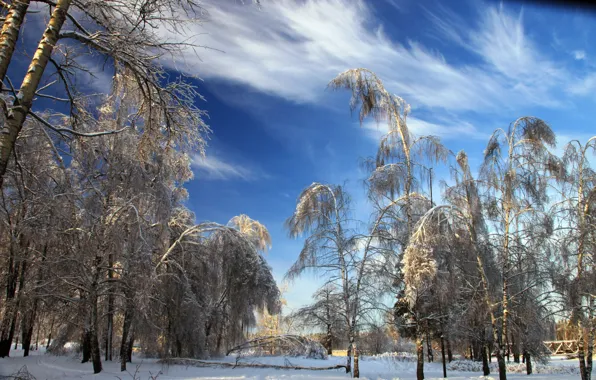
[61, 367]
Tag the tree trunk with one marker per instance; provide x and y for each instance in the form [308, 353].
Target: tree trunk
[501, 363]
[419, 357]
[37, 337]
[10, 34]
[95, 351]
[449, 352]
[329, 340]
[515, 346]
[110, 313]
[443, 356]
[50, 334]
[581, 355]
[125, 333]
[590, 352]
[18, 112]
[356, 368]
[131, 343]
[528, 363]
[429, 347]
[10, 304]
[86, 345]
[485, 353]
[349, 353]
[27, 323]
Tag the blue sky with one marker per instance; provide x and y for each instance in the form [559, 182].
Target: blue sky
[465, 67]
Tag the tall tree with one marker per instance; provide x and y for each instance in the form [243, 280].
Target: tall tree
[400, 158]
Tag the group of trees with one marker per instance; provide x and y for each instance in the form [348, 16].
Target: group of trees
[486, 266]
[96, 245]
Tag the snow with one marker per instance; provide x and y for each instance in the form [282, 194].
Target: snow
[48, 367]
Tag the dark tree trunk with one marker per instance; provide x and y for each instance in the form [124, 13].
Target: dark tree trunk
[37, 337]
[443, 356]
[581, 354]
[110, 314]
[219, 339]
[528, 363]
[356, 366]
[28, 320]
[50, 334]
[329, 340]
[131, 343]
[419, 358]
[485, 353]
[449, 352]
[86, 345]
[9, 320]
[591, 334]
[27, 330]
[501, 363]
[429, 347]
[515, 347]
[95, 351]
[126, 329]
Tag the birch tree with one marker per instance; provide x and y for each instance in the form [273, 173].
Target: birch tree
[575, 213]
[124, 33]
[322, 213]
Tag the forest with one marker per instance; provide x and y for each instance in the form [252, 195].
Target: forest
[98, 247]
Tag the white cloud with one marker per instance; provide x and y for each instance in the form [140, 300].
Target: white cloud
[293, 48]
[446, 129]
[579, 54]
[525, 75]
[583, 86]
[213, 168]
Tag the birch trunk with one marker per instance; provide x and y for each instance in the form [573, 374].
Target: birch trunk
[10, 33]
[22, 104]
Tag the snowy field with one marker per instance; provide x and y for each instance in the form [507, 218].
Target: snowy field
[58, 367]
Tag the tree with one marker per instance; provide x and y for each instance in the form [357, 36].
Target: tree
[126, 35]
[322, 212]
[324, 313]
[514, 171]
[400, 156]
[575, 212]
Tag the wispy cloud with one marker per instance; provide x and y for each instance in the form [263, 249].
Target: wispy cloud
[213, 168]
[583, 86]
[446, 129]
[292, 49]
[523, 73]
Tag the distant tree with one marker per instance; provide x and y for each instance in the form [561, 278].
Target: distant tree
[324, 313]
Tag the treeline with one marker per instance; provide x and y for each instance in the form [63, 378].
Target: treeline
[96, 245]
[484, 267]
